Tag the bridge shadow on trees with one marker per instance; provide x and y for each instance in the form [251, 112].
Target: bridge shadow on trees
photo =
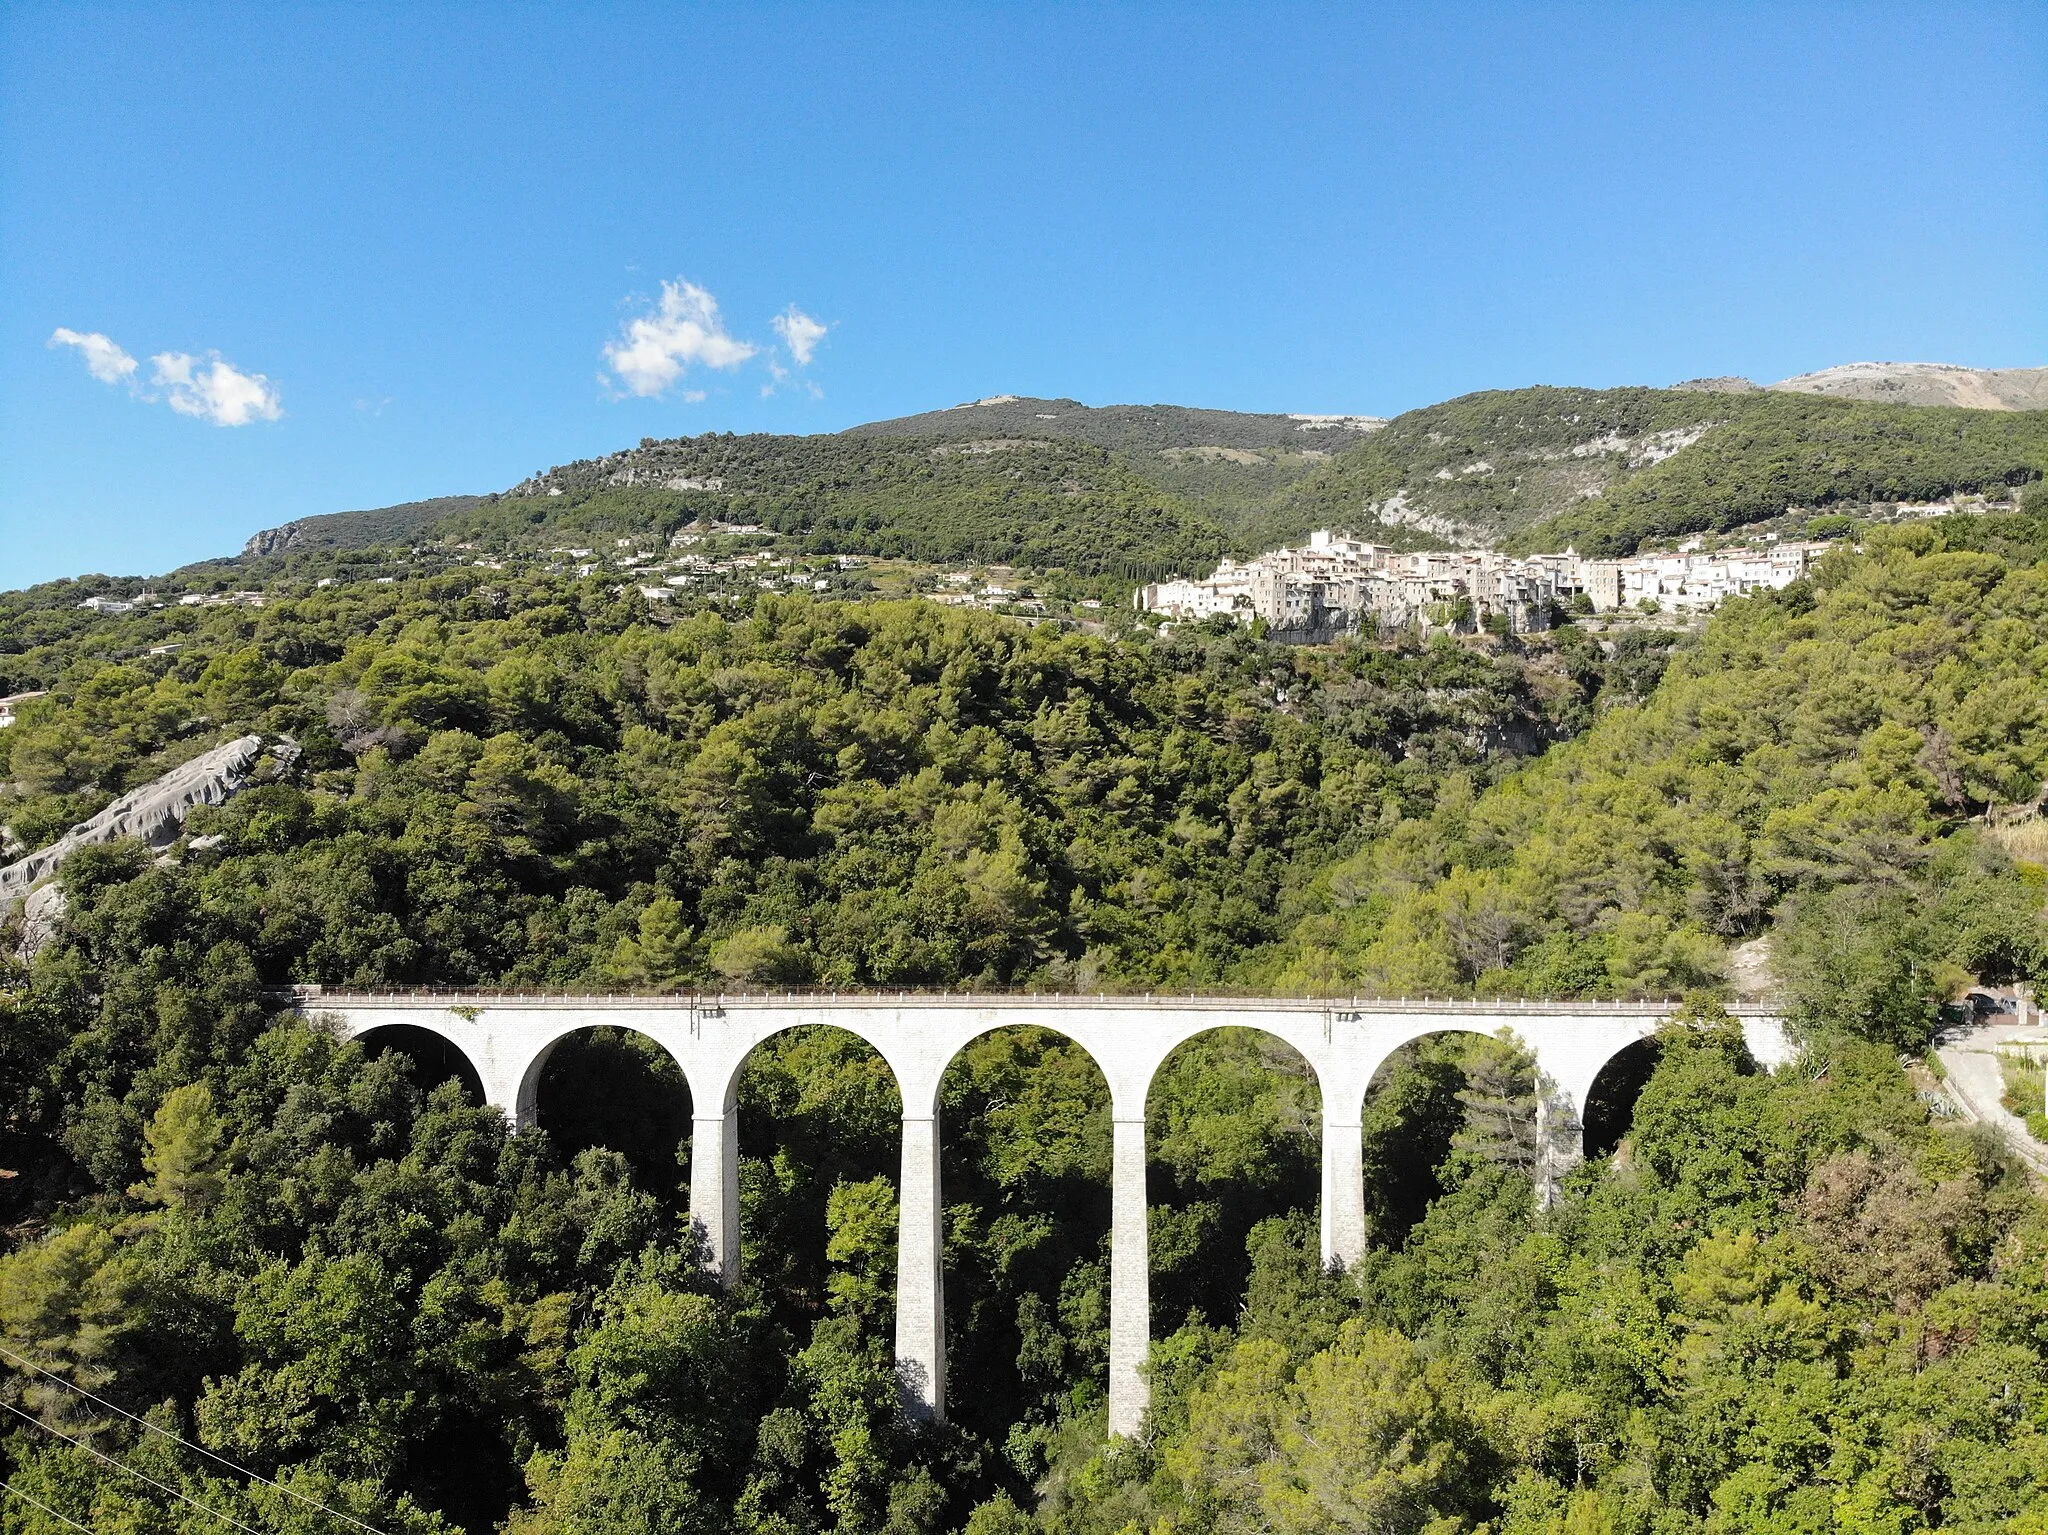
[1024, 1168]
[1233, 1138]
[434, 1060]
[619, 1089]
[458, 1465]
[1412, 1114]
[1457, 1092]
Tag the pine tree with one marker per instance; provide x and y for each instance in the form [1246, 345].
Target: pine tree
[185, 1155]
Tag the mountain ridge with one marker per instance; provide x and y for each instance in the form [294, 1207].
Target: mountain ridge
[1051, 481]
[353, 529]
[1126, 428]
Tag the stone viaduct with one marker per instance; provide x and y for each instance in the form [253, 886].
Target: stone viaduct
[507, 1040]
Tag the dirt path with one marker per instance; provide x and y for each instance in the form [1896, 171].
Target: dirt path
[1969, 1055]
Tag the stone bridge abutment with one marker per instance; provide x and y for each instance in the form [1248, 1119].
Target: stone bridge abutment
[507, 1039]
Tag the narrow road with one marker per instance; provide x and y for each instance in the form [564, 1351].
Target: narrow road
[1969, 1055]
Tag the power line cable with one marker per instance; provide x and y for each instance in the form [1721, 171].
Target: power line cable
[122, 1465]
[38, 1503]
[197, 1449]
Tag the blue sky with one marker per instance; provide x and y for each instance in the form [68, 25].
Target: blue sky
[355, 255]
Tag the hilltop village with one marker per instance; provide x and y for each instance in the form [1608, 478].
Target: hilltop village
[1337, 585]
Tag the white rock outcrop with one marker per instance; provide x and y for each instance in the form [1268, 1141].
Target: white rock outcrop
[155, 812]
[41, 915]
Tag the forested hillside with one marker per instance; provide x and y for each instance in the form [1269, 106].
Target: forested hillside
[910, 794]
[1808, 758]
[1138, 430]
[1140, 491]
[1018, 501]
[1809, 452]
[355, 530]
[1797, 1302]
[1608, 469]
[989, 482]
[1227, 464]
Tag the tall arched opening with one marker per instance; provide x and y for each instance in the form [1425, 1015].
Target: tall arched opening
[619, 1090]
[1025, 1147]
[820, 1138]
[457, 1465]
[1445, 1091]
[434, 1058]
[1233, 1130]
[819, 1117]
[1611, 1102]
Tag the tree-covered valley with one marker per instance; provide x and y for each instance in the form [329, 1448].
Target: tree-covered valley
[314, 1288]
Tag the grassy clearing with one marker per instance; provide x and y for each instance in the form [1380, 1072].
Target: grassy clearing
[2026, 841]
[2026, 1078]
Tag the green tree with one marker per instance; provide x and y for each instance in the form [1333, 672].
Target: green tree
[1500, 1103]
[1865, 961]
[658, 951]
[240, 685]
[861, 1220]
[763, 955]
[1363, 1437]
[69, 1301]
[186, 1152]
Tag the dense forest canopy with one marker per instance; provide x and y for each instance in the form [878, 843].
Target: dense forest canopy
[1805, 451]
[1795, 1301]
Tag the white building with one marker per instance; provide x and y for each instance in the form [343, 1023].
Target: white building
[1333, 584]
[1694, 581]
[110, 605]
[10, 706]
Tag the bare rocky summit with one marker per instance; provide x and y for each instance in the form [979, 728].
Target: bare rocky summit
[1729, 383]
[1926, 383]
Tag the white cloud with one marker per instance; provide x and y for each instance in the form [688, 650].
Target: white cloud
[658, 348]
[104, 360]
[210, 388]
[215, 390]
[800, 333]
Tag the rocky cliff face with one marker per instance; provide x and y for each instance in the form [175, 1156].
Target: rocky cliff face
[273, 540]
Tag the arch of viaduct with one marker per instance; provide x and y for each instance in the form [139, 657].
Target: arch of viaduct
[507, 1040]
